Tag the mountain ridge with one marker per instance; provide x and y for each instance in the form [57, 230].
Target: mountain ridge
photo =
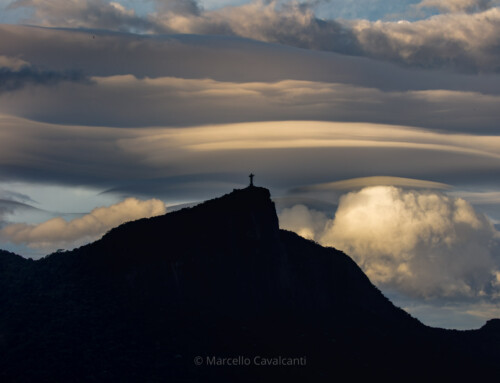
[219, 279]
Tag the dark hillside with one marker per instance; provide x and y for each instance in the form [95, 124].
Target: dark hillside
[216, 280]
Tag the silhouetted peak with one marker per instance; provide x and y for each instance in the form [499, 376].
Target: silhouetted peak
[249, 204]
[241, 210]
[244, 215]
[249, 195]
[493, 325]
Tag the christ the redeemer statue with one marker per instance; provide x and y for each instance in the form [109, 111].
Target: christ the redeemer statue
[251, 178]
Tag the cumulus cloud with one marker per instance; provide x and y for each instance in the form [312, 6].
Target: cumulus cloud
[58, 232]
[463, 42]
[270, 21]
[306, 222]
[423, 243]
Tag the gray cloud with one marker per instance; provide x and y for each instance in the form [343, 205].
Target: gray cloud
[458, 5]
[119, 101]
[15, 196]
[84, 14]
[9, 207]
[16, 79]
[228, 59]
[181, 7]
[16, 73]
[461, 42]
[183, 187]
[465, 42]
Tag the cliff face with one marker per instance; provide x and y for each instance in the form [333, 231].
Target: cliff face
[219, 279]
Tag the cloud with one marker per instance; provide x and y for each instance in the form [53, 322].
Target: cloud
[11, 80]
[461, 42]
[282, 153]
[14, 196]
[304, 221]
[357, 183]
[221, 58]
[12, 63]
[458, 5]
[422, 243]
[168, 101]
[13, 202]
[16, 73]
[180, 7]
[83, 14]
[289, 24]
[456, 41]
[58, 232]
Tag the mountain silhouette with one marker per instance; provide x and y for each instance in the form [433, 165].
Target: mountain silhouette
[156, 300]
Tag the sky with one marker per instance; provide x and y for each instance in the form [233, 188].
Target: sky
[373, 123]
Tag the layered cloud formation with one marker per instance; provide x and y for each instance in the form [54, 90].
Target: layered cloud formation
[423, 243]
[126, 156]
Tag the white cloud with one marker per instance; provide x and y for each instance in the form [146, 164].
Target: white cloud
[58, 232]
[306, 222]
[422, 243]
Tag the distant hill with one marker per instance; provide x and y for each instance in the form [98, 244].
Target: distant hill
[218, 280]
